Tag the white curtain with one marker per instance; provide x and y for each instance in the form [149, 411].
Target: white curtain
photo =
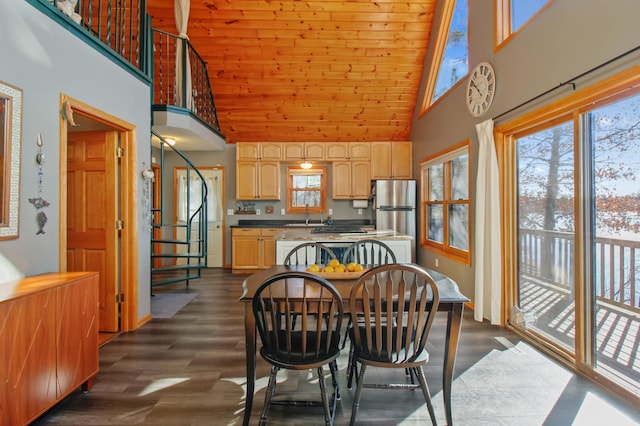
[181, 10]
[488, 285]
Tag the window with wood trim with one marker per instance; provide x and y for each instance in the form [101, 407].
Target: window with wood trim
[306, 190]
[513, 15]
[445, 203]
[450, 60]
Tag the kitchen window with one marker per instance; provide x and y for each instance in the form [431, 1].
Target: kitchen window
[445, 203]
[306, 190]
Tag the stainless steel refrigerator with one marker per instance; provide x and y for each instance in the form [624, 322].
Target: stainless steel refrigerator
[394, 204]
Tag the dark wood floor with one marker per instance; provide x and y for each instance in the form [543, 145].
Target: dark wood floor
[190, 370]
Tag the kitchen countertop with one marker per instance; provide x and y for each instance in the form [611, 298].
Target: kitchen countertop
[274, 223]
[307, 235]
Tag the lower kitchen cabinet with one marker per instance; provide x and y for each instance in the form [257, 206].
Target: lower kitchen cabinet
[253, 248]
[50, 322]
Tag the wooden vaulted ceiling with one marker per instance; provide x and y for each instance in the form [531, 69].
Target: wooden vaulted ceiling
[324, 70]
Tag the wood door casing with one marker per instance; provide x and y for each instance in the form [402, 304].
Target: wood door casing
[92, 194]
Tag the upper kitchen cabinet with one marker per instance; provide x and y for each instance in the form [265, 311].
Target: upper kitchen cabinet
[351, 180]
[257, 180]
[337, 151]
[391, 160]
[293, 151]
[270, 151]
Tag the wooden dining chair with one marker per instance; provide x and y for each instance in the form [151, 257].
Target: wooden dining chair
[369, 253]
[309, 253]
[393, 307]
[314, 343]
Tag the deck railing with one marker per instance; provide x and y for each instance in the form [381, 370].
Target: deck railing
[548, 255]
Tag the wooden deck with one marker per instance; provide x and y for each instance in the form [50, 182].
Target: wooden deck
[617, 352]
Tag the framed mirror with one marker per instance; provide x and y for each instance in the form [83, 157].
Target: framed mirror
[10, 140]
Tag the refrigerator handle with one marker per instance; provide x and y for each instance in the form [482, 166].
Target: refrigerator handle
[396, 208]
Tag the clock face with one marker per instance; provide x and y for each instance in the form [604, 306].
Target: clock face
[480, 89]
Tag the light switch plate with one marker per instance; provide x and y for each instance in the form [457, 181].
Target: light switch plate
[359, 211]
[330, 212]
[282, 212]
[257, 212]
[229, 212]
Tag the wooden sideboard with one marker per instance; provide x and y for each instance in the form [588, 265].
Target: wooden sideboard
[48, 342]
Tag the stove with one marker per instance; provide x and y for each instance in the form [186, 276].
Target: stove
[338, 229]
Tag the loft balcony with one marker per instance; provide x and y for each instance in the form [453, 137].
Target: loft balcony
[183, 106]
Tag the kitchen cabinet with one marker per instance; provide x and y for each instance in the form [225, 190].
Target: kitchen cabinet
[295, 151]
[351, 180]
[257, 180]
[259, 151]
[336, 151]
[391, 160]
[50, 323]
[253, 248]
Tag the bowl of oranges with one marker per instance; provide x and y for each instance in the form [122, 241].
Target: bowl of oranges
[336, 270]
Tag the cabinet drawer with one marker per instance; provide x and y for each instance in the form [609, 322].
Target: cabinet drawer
[245, 232]
[270, 232]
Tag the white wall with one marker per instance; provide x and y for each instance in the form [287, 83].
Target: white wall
[566, 40]
[45, 60]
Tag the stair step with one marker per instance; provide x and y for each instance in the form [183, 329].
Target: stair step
[169, 268]
[179, 255]
[162, 241]
[169, 225]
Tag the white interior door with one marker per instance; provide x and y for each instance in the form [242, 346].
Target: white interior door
[214, 177]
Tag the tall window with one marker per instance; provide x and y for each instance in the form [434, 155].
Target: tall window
[450, 61]
[445, 203]
[306, 190]
[512, 15]
[572, 224]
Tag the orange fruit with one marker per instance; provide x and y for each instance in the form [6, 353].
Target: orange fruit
[340, 268]
[334, 262]
[328, 268]
[358, 268]
[313, 268]
[351, 267]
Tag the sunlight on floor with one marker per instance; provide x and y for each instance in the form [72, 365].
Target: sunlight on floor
[160, 384]
[595, 411]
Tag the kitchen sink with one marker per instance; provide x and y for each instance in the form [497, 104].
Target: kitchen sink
[302, 225]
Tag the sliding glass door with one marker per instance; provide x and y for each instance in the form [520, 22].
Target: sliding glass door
[577, 207]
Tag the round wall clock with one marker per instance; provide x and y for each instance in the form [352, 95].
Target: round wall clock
[480, 89]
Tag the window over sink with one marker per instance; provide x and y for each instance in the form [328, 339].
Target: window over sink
[306, 190]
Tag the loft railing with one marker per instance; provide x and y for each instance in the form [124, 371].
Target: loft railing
[119, 25]
[122, 28]
[548, 255]
[180, 78]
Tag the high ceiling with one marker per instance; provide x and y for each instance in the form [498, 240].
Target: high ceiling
[323, 70]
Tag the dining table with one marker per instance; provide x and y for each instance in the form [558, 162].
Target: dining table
[451, 302]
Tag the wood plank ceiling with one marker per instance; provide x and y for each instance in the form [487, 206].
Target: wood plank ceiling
[295, 71]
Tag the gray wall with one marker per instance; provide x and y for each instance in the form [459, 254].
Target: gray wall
[46, 60]
[567, 39]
